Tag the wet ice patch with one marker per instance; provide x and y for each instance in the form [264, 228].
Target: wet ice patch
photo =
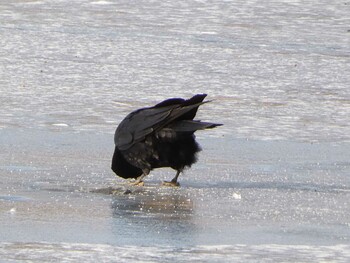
[14, 198]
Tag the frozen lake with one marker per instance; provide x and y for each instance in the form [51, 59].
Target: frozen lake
[245, 200]
[271, 185]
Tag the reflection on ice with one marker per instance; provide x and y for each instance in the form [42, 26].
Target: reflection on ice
[154, 217]
[153, 204]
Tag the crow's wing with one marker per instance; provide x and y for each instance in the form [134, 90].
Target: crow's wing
[138, 124]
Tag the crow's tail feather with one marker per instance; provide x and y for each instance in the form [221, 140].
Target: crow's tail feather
[192, 126]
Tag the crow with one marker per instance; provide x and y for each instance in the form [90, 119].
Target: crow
[158, 136]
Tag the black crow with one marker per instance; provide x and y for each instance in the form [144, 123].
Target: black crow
[158, 136]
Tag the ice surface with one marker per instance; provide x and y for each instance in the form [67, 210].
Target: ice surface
[272, 184]
[246, 199]
[277, 70]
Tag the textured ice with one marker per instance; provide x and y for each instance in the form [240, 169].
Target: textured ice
[70, 252]
[276, 70]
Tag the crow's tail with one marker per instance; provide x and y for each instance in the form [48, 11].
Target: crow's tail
[192, 126]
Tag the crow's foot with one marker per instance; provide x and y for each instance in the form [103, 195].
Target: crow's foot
[171, 183]
[138, 183]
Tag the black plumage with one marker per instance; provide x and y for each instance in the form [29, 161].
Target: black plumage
[158, 136]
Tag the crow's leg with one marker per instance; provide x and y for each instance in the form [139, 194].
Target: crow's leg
[174, 181]
[139, 179]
